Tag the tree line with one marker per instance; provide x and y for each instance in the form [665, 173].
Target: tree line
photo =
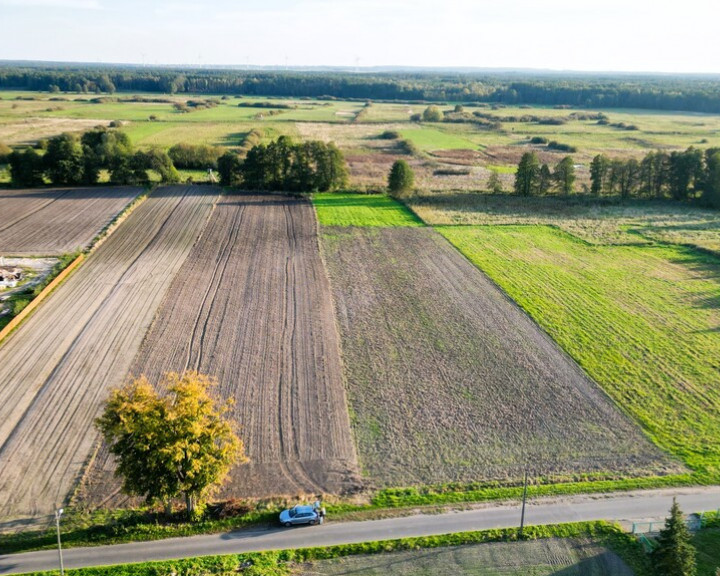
[281, 165]
[69, 159]
[287, 166]
[697, 94]
[692, 174]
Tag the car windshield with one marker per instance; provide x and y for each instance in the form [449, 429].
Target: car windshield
[293, 512]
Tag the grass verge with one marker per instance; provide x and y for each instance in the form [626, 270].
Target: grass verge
[281, 562]
[104, 527]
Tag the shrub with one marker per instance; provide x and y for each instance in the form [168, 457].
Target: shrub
[401, 177]
[432, 114]
[390, 135]
[553, 145]
[194, 157]
[407, 147]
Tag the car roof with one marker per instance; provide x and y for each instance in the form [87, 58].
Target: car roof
[300, 508]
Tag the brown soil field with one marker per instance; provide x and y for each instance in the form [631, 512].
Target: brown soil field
[56, 369]
[448, 380]
[251, 306]
[52, 222]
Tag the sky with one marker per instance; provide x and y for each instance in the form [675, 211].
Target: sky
[601, 35]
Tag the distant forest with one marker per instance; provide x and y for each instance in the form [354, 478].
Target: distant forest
[690, 93]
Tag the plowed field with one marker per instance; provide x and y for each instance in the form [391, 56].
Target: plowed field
[50, 222]
[448, 380]
[55, 371]
[251, 306]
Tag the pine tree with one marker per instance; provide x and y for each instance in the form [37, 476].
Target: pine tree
[599, 168]
[675, 555]
[564, 175]
[527, 175]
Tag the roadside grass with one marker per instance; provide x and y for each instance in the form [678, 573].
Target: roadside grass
[644, 322]
[340, 209]
[707, 543]
[82, 528]
[544, 557]
[285, 562]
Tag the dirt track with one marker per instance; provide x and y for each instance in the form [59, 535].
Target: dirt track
[51, 222]
[251, 306]
[449, 381]
[56, 369]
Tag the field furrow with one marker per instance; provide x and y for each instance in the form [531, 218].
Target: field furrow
[57, 221]
[251, 306]
[448, 380]
[55, 371]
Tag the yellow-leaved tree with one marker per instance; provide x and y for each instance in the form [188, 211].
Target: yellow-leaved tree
[173, 442]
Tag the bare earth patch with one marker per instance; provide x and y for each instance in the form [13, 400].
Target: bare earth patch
[448, 380]
[57, 368]
[251, 306]
[59, 220]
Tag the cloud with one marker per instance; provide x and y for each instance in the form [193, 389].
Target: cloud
[64, 4]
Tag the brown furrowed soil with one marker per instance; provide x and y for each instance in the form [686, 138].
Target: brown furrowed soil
[448, 380]
[251, 306]
[56, 369]
[51, 222]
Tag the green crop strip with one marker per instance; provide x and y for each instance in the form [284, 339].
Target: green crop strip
[335, 209]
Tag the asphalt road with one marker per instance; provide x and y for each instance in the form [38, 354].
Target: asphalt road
[625, 508]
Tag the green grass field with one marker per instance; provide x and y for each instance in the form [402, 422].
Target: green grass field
[432, 137]
[26, 117]
[362, 210]
[644, 322]
[598, 221]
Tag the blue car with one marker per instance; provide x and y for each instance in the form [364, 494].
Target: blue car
[299, 515]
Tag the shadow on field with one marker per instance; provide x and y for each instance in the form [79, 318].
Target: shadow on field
[242, 198]
[233, 139]
[706, 267]
[56, 193]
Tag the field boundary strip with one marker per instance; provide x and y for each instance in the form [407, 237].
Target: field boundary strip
[35, 302]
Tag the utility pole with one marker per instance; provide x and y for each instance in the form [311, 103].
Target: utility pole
[522, 514]
[58, 513]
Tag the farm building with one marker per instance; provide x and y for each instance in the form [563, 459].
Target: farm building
[9, 277]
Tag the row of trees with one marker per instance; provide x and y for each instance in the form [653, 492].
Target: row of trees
[534, 179]
[285, 165]
[72, 160]
[696, 94]
[691, 174]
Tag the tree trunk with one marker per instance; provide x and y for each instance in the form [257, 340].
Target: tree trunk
[189, 504]
[168, 507]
